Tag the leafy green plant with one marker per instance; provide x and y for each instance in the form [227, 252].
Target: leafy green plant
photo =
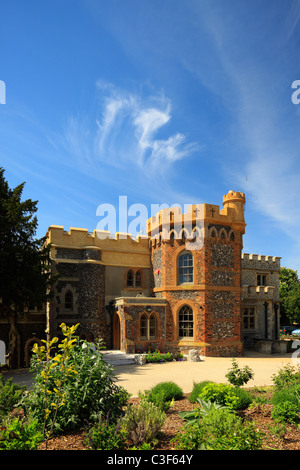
[197, 389]
[205, 407]
[227, 395]
[170, 389]
[237, 376]
[142, 422]
[106, 436]
[10, 395]
[219, 429]
[163, 395]
[287, 376]
[286, 412]
[158, 399]
[57, 369]
[158, 356]
[80, 384]
[19, 435]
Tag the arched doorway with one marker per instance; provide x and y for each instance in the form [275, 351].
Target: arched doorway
[116, 331]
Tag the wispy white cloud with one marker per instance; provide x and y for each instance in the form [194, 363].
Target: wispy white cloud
[129, 133]
[264, 122]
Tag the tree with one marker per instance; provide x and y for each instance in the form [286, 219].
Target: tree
[25, 271]
[289, 291]
[293, 304]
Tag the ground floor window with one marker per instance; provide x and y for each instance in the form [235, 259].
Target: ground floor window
[186, 322]
[148, 326]
[249, 318]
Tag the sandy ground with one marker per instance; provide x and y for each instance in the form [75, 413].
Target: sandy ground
[135, 378]
[139, 378]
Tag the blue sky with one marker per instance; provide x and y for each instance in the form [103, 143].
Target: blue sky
[162, 101]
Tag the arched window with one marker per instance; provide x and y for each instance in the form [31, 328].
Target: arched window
[148, 326]
[134, 279]
[185, 268]
[69, 300]
[186, 322]
[152, 326]
[138, 279]
[143, 326]
[130, 278]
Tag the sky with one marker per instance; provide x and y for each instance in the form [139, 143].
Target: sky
[154, 102]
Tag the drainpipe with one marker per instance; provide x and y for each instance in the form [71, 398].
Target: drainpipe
[266, 320]
[276, 306]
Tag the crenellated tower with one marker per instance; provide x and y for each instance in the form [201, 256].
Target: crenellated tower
[196, 265]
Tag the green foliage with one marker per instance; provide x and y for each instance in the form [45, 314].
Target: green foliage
[163, 395]
[287, 376]
[292, 304]
[170, 389]
[10, 395]
[233, 397]
[237, 376]
[286, 412]
[142, 422]
[19, 435]
[197, 389]
[286, 399]
[158, 399]
[25, 273]
[219, 429]
[157, 356]
[289, 295]
[72, 386]
[205, 407]
[106, 436]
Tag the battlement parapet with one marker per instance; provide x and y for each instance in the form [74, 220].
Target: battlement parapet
[197, 214]
[259, 292]
[260, 261]
[101, 239]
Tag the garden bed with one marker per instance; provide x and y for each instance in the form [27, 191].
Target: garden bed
[276, 437]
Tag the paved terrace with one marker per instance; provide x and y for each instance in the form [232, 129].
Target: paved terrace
[135, 378]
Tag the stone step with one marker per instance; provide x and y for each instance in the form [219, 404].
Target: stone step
[118, 358]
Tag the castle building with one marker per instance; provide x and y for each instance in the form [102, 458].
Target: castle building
[186, 285]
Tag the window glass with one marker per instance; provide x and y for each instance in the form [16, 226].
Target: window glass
[186, 322]
[185, 268]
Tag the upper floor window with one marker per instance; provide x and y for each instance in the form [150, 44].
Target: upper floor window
[138, 279]
[130, 278]
[261, 279]
[69, 300]
[185, 268]
[134, 279]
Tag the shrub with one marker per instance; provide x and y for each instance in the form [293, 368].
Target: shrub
[163, 394]
[10, 395]
[158, 399]
[157, 356]
[19, 435]
[287, 376]
[170, 390]
[106, 436]
[69, 390]
[286, 412]
[197, 389]
[142, 422]
[220, 429]
[205, 407]
[226, 395]
[237, 376]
